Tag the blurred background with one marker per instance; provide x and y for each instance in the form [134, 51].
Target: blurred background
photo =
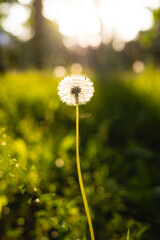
[117, 44]
[102, 35]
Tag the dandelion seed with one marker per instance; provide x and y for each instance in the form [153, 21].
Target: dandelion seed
[75, 89]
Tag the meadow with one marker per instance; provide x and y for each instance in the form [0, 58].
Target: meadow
[119, 149]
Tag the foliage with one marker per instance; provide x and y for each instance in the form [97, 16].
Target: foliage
[119, 150]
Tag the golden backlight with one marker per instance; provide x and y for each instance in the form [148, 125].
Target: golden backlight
[86, 22]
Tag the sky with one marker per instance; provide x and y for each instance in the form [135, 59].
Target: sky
[86, 22]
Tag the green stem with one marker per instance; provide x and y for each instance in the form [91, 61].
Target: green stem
[80, 176]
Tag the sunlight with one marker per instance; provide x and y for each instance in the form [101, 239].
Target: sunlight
[17, 16]
[120, 19]
[131, 16]
[86, 24]
[24, 2]
[75, 20]
[80, 22]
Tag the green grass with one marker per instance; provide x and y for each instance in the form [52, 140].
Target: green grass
[119, 150]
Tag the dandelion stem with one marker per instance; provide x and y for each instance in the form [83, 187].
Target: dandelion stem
[80, 175]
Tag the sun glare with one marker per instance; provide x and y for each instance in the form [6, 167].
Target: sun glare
[76, 19]
[114, 19]
[124, 18]
[17, 16]
[24, 2]
[85, 23]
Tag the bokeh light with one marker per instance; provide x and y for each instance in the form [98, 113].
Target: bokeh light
[85, 26]
[59, 162]
[76, 68]
[59, 71]
[118, 17]
[138, 66]
[24, 2]
[17, 15]
[118, 45]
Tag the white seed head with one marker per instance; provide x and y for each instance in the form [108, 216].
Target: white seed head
[75, 88]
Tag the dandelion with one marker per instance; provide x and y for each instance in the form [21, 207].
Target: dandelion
[77, 90]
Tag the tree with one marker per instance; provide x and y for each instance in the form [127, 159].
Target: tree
[38, 26]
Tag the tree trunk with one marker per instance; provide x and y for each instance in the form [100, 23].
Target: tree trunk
[38, 23]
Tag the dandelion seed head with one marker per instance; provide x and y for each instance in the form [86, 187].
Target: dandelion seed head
[75, 88]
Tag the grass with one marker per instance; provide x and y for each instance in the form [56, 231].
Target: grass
[39, 192]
